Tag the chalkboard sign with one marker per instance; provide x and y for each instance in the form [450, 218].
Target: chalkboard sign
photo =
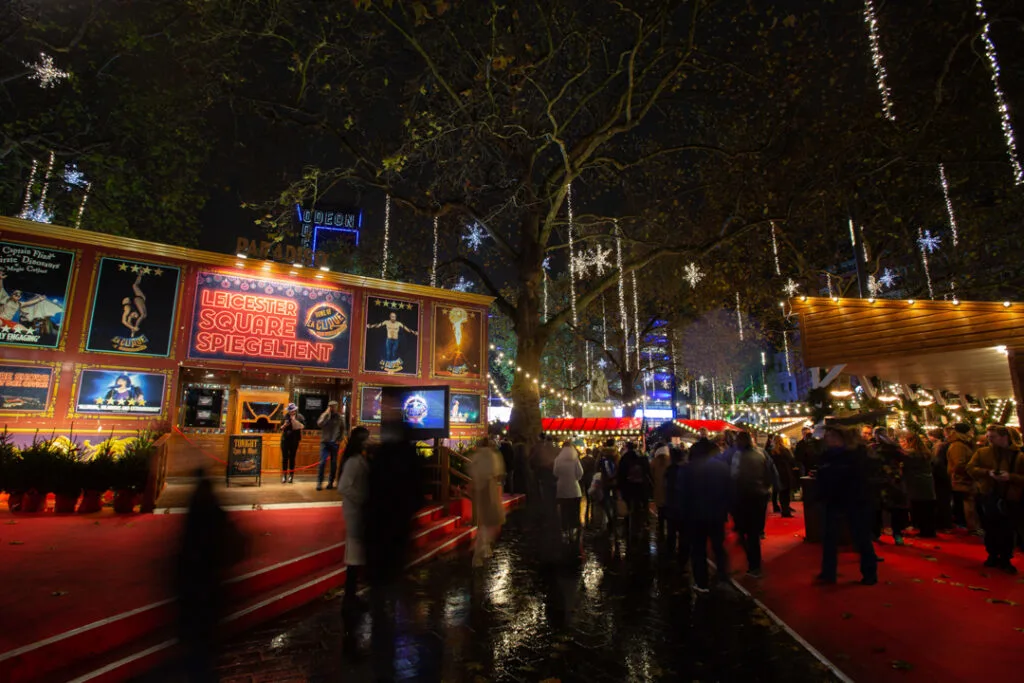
[245, 457]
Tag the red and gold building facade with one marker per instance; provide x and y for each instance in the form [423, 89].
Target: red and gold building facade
[103, 335]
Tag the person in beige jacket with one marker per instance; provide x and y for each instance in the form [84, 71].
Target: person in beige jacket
[487, 470]
[958, 455]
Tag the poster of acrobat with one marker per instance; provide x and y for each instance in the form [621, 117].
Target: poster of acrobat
[392, 338]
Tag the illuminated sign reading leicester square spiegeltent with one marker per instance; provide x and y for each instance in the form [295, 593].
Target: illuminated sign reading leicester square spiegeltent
[265, 321]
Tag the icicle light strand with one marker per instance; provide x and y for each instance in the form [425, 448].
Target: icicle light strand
[604, 324]
[739, 316]
[1001, 105]
[775, 252]
[949, 205]
[636, 321]
[828, 282]
[46, 182]
[81, 207]
[622, 296]
[28, 188]
[545, 296]
[433, 266]
[785, 346]
[572, 256]
[924, 259]
[387, 237]
[878, 59]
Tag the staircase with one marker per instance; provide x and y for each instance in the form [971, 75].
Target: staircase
[130, 643]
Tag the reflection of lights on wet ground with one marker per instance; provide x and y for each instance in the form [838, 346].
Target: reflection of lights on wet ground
[638, 663]
[501, 581]
[456, 607]
[593, 573]
[522, 625]
[279, 641]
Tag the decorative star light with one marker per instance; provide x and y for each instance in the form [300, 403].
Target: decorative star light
[702, 379]
[929, 242]
[474, 237]
[39, 214]
[73, 177]
[602, 363]
[887, 279]
[45, 72]
[571, 367]
[755, 397]
[463, 285]
[546, 263]
[666, 383]
[791, 288]
[599, 259]
[693, 274]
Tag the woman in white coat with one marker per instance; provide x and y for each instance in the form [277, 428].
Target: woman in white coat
[568, 472]
[487, 470]
[354, 488]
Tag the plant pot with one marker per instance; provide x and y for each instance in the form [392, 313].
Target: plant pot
[64, 504]
[32, 501]
[14, 501]
[125, 501]
[92, 501]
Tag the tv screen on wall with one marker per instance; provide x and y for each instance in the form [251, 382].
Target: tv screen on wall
[420, 412]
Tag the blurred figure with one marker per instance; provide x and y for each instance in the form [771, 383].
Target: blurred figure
[807, 450]
[843, 486]
[999, 471]
[659, 465]
[568, 471]
[210, 545]
[889, 458]
[354, 485]
[608, 468]
[706, 491]
[786, 467]
[675, 508]
[917, 472]
[488, 472]
[332, 430]
[395, 495]
[754, 476]
[958, 455]
[589, 464]
[940, 475]
[508, 457]
[634, 484]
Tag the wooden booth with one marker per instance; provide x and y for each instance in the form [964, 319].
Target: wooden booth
[102, 335]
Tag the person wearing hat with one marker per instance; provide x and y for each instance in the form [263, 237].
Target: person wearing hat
[958, 455]
[291, 434]
[332, 429]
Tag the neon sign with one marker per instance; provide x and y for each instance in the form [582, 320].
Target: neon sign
[270, 322]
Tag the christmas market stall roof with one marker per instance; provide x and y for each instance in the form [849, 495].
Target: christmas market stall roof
[713, 426]
[611, 426]
[968, 347]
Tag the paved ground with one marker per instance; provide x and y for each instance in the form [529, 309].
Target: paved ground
[178, 492]
[619, 614]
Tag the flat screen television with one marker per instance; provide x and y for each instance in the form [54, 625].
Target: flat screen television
[419, 412]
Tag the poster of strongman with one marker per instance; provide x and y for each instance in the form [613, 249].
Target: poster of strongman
[392, 336]
[34, 288]
[133, 308]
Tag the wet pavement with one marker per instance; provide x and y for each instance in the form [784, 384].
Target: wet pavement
[614, 614]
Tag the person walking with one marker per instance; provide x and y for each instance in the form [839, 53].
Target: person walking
[917, 472]
[332, 429]
[354, 486]
[806, 451]
[487, 470]
[659, 465]
[706, 488]
[940, 475]
[608, 467]
[754, 479]
[892, 487]
[675, 507]
[291, 435]
[998, 470]
[958, 456]
[842, 478]
[634, 484]
[589, 464]
[568, 471]
[508, 457]
[786, 467]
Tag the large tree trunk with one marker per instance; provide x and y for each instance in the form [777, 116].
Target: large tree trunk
[532, 335]
[524, 425]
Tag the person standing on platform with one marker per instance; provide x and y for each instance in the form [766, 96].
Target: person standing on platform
[844, 489]
[354, 486]
[999, 471]
[332, 429]
[291, 435]
[488, 472]
[753, 474]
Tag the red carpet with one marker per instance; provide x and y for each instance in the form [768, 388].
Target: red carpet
[65, 572]
[935, 615]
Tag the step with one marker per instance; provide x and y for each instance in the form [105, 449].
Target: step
[159, 648]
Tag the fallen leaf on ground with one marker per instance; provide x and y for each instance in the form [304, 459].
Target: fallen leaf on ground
[939, 581]
[916, 581]
[847, 615]
[17, 543]
[1000, 601]
[945, 576]
[886, 604]
[57, 594]
[11, 521]
[1018, 629]
[931, 558]
[877, 650]
[978, 588]
[901, 665]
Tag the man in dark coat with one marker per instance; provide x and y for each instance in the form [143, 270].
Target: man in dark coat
[706, 491]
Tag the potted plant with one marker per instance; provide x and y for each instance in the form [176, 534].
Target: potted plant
[67, 480]
[10, 472]
[98, 475]
[131, 471]
[39, 468]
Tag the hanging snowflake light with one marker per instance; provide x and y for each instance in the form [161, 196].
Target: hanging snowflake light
[598, 259]
[1001, 105]
[474, 237]
[887, 279]
[73, 177]
[928, 242]
[546, 263]
[580, 264]
[602, 363]
[462, 285]
[791, 288]
[878, 59]
[755, 397]
[39, 214]
[693, 275]
[45, 72]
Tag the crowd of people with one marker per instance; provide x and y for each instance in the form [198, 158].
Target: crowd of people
[876, 480]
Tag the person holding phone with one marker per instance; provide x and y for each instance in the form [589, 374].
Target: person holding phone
[291, 435]
[998, 470]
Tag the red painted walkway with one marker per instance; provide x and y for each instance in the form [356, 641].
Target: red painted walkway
[936, 614]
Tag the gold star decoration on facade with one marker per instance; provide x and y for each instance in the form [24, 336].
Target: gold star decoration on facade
[123, 267]
[135, 268]
[158, 271]
[99, 400]
[146, 270]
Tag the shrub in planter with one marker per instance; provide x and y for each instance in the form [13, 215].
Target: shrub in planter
[67, 480]
[97, 477]
[40, 466]
[10, 472]
[131, 472]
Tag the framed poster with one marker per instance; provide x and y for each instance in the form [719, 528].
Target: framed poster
[264, 321]
[35, 286]
[120, 392]
[133, 308]
[464, 409]
[458, 342]
[369, 404]
[26, 388]
[245, 458]
[392, 336]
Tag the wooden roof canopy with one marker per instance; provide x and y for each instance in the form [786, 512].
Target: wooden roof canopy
[958, 346]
